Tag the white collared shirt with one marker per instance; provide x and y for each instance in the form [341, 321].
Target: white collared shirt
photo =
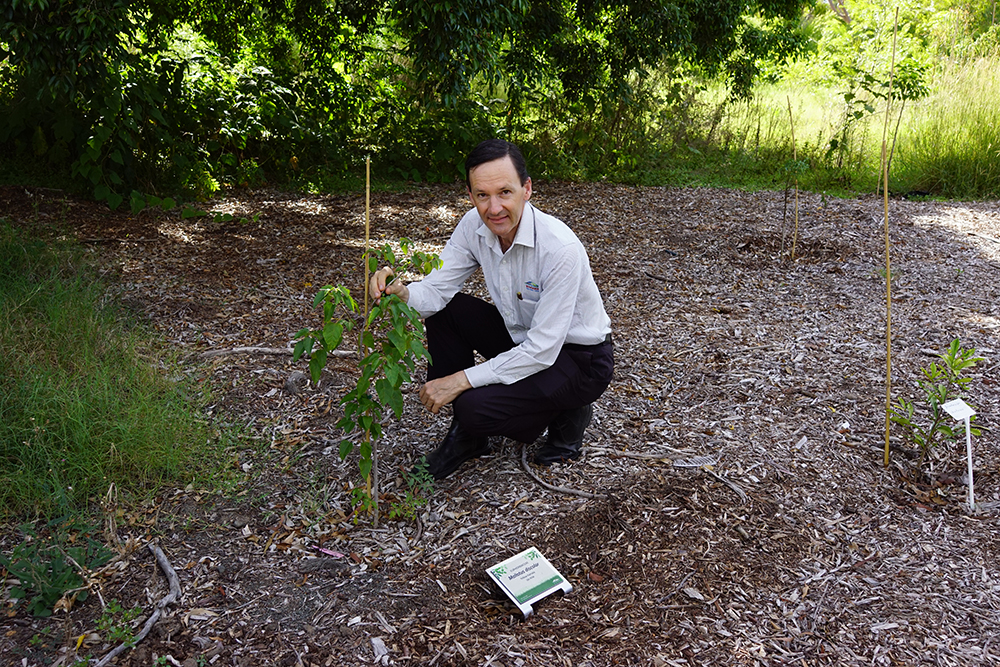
[542, 286]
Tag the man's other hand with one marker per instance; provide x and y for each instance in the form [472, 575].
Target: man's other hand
[383, 282]
[442, 391]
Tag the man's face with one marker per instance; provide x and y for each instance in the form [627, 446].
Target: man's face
[498, 195]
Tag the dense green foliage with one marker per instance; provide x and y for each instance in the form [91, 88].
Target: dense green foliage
[175, 96]
[47, 565]
[80, 407]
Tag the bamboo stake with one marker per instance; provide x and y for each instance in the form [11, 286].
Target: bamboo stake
[372, 482]
[795, 166]
[888, 263]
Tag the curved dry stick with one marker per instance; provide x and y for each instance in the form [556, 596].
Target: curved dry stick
[170, 598]
[552, 487]
[282, 351]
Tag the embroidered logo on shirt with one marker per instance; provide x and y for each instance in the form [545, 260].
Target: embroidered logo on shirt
[532, 286]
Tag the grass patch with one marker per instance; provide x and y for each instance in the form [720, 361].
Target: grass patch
[951, 144]
[80, 406]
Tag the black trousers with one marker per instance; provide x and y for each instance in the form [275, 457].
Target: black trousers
[524, 409]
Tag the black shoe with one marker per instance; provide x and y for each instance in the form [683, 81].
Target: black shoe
[565, 436]
[456, 448]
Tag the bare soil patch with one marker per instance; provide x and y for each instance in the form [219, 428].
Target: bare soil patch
[795, 547]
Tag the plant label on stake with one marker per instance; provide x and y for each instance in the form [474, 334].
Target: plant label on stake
[959, 410]
[527, 578]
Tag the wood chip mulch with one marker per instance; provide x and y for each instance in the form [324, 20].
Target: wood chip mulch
[742, 513]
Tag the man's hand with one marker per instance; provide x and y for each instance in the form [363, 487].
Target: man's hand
[383, 282]
[438, 393]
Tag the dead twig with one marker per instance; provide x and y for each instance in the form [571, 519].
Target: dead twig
[732, 485]
[983, 236]
[552, 487]
[631, 455]
[287, 351]
[170, 598]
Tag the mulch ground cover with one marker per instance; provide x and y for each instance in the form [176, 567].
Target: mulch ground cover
[731, 506]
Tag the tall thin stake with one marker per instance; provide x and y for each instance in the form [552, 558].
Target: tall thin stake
[795, 167]
[372, 481]
[888, 263]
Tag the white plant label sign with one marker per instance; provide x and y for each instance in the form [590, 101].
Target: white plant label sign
[959, 411]
[527, 578]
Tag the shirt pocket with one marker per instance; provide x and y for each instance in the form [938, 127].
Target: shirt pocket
[527, 301]
[526, 311]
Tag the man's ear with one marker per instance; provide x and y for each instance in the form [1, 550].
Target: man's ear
[527, 189]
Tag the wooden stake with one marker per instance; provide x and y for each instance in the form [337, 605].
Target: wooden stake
[888, 263]
[372, 482]
[795, 159]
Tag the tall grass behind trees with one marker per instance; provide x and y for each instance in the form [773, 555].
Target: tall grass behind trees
[755, 137]
[947, 144]
[950, 143]
[80, 406]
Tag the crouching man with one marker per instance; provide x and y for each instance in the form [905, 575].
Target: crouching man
[546, 341]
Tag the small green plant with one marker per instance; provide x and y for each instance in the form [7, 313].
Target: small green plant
[138, 202]
[880, 272]
[115, 622]
[40, 639]
[419, 487]
[48, 569]
[928, 425]
[391, 344]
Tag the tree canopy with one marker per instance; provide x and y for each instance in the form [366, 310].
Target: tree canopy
[189, 93]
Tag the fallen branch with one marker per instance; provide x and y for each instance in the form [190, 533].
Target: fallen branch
[287, 351]
[610, 453]
[170, 598]
[984, 236]
[552, 487]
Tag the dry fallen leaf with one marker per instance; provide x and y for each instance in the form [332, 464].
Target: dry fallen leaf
[693, 593]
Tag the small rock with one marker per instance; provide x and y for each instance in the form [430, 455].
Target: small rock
[296, 382]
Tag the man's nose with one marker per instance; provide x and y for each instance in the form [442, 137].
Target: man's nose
[496, 206]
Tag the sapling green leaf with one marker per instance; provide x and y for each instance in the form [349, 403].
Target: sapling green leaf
[390, 344]
[941, 383]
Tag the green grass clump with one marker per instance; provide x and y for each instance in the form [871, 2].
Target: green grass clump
[79, 408]
[951, 146]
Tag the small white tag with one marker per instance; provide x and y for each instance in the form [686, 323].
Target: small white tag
[527, 578]
[958, 409]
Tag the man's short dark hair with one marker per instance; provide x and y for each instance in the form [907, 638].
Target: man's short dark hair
[495, 149]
